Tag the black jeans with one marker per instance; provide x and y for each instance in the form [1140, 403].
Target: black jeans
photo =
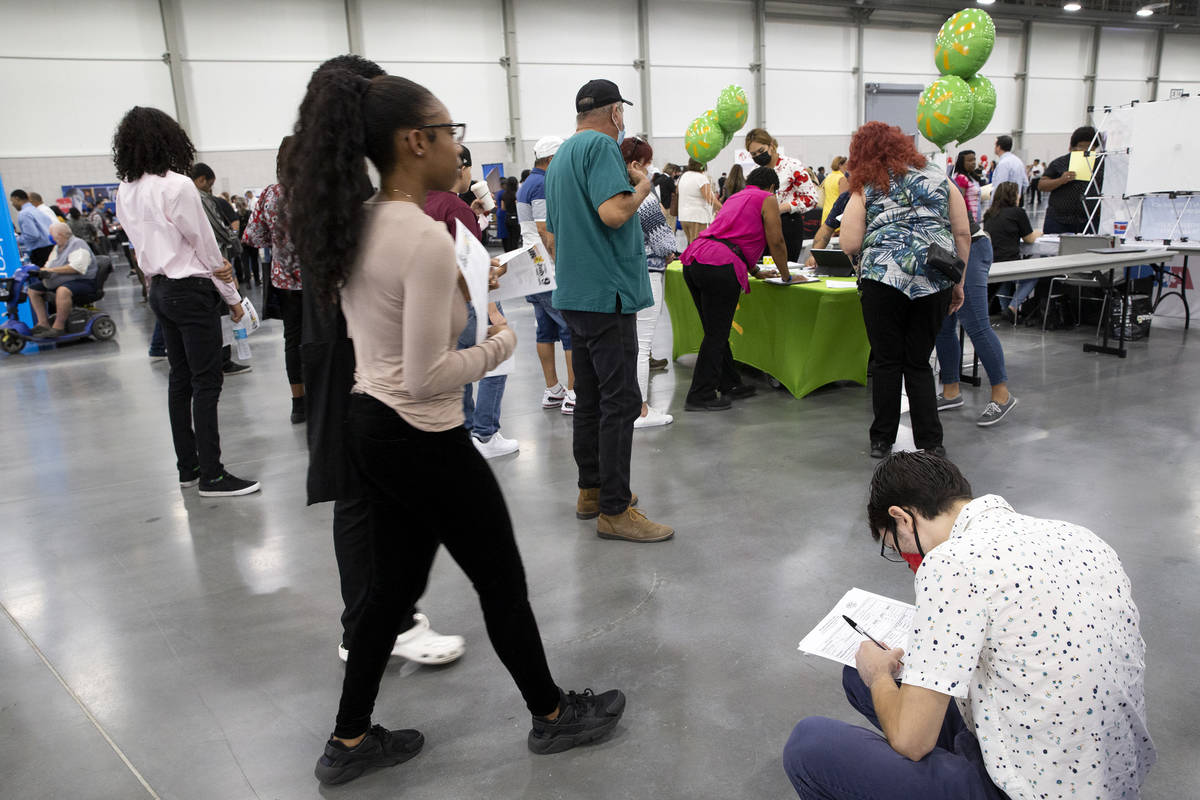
[607, 401]
[413, 481]
[189, 310]
[793, 234]
[291, 308]
[715, 291]
[352, 549]
[902, 333]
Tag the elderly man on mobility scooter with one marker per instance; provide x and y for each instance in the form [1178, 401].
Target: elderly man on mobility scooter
[72, 269]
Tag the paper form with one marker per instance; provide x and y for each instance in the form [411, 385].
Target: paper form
[1081, 165]
[889, 621]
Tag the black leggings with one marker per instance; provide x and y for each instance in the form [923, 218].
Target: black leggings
[415, 482]
[291, 309]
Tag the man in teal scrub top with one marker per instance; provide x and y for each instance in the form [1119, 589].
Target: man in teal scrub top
[591, 208]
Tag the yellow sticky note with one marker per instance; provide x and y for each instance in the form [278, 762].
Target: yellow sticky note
[1081, 165]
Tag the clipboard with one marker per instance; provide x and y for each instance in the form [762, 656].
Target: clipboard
[1081, 164]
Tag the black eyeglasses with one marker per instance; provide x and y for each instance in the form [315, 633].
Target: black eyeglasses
[893, 553]
[458, 130]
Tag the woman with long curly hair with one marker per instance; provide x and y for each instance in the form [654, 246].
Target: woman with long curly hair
[393, 270]
[160, 210]
[899, 206]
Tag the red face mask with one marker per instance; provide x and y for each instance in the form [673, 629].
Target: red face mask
[913, 559]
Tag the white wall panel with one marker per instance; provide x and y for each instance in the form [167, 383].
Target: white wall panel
[1059, 51]
[899, 50]
[551, 31]
[1120, 93]
[263, 29]
[450, 30]
[1055, 105]
[75, 117]
[474, 94]
[810, 103]
[244, 106]
[1006, 56]
[717, 33]
[797, 44]
[674, 110]
[548, 97]
[1181, 58]
[1005, 117]
[1126, 53]
[112, 29]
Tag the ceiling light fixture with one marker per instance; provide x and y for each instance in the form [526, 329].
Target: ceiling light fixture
[985, 2]
[1071, 6]
[1145, 11]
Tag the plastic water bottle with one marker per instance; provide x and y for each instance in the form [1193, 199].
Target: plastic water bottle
[239, 338]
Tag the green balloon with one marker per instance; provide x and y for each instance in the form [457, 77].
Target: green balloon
[733, 110]
[704, 139]
[985, 106]
[945, 109]
[965, 42]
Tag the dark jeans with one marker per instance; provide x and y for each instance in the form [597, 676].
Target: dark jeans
[827, 759]
[482, 416]
[413, 481]
[352, 549]
[291, 307]
[189, 310]
[974, 318]
[1052, 225]
[607, 401]
[715, 291]
[902, 333]
[793, 234]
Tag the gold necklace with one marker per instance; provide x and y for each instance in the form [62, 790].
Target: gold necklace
[400, 191]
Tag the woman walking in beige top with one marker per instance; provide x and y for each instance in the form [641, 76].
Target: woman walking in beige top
[393, 270]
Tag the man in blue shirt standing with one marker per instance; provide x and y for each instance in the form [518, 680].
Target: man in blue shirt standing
[592, 200]
[35, 231]
[1009, 167]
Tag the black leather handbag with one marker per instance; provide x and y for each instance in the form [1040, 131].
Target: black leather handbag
[942, 262]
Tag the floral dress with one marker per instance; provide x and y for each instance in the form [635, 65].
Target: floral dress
[796, 186]
[901, 225]
[266, 230]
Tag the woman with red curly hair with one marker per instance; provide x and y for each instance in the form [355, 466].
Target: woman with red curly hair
[899, 206]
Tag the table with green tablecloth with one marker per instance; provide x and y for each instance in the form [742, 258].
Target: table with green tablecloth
[804, 335]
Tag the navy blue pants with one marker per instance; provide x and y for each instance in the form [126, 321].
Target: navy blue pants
[828, 760]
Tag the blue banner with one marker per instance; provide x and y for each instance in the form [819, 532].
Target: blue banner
[10, 256]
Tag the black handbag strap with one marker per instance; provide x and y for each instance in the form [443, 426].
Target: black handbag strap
[733, 247]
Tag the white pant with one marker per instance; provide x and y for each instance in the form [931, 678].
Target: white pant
[647, 321]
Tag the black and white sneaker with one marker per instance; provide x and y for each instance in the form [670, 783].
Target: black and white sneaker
[189, 477]
[946, 403]
[582, 718]
[379, 748]
[227, 485]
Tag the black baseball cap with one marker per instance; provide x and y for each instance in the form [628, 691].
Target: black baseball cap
[597, 94]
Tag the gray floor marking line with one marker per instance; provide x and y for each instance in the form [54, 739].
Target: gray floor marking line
[79, 702]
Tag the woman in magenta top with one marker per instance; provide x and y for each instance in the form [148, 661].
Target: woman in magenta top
[715, 268]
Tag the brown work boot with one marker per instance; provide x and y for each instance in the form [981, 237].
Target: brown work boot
[588, 504]
[632, 526]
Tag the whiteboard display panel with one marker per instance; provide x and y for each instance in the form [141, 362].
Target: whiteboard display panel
[1162, 155]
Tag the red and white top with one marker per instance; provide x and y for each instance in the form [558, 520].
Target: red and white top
[266, 229]
[796, 187]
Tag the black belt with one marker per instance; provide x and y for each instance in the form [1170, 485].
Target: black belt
[192, 281]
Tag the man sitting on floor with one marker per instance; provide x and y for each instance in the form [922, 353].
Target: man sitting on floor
[1028, 624]
[73, 269]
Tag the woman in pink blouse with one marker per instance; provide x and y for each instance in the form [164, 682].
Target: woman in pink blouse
[268, 228]
[798, 195]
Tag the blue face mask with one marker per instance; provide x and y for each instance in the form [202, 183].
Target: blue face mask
[620, 132]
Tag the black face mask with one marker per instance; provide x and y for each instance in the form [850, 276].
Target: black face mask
[763, 158]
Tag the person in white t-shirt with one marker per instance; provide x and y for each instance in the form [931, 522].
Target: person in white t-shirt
[40, 206]
[1027, 624]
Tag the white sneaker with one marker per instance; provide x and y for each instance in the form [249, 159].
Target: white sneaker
[553, 397]
[568, 403]
[422, 644]
[496, 446]
[653, 419]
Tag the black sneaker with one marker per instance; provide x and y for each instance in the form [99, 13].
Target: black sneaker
[741, 391]
[880, 449]
[936, 450]
[712, 404]
[379, 748]
[234, 368]
[582, 718]
[226, 485]
[189, 477]
[299, 411]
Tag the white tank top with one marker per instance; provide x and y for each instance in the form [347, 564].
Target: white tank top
[692, 205]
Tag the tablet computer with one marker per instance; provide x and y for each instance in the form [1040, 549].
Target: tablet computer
[833, 263]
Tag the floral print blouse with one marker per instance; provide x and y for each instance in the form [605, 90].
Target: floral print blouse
[266, 229]
[796, 186]
[901, 225]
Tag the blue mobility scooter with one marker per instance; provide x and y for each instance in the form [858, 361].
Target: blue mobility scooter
[85, 319]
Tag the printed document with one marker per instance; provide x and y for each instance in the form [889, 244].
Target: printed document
[889, 621]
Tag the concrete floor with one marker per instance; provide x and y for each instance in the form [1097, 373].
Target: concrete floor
[157, 644]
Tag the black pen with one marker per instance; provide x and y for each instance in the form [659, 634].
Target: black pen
[857, 629]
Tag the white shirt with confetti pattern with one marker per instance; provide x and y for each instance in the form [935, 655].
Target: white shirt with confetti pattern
[1030, 625]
